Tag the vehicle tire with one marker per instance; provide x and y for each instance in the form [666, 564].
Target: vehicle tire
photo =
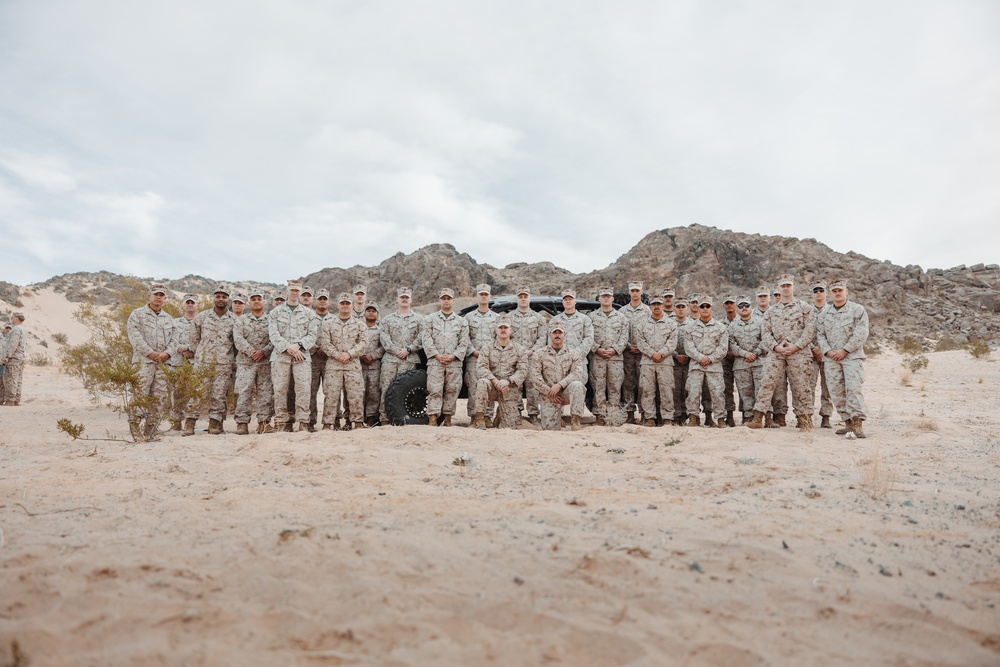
[406, 399]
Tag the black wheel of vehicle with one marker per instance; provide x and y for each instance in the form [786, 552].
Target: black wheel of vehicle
[406, 399]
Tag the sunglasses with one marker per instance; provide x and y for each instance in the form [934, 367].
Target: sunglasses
[818, 290]
[744, 305]
[705, 305]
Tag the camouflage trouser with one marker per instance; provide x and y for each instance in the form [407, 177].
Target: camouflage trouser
[337, 379]
[472, 385]
[796, 367]
[371, 373]
[606, 377]
[652, 377]
[248, 379]
[700, 381]
[530, 393]
[152, 382]
[289, 376]
[508, 405]
[680, 391]
[2, 390]
[825, 404]
[779, 401]
[318, 362]
[214, 402]
[747, 381]
[845, 379]
[630, 383]
[12, 381]
[390, 370]
[728, 380]
[550, 414]
[444, 381]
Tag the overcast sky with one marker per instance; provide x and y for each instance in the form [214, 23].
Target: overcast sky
[267, 140]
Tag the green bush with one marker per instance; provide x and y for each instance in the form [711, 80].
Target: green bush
[979, 348]
[947, 344]
[909, 345]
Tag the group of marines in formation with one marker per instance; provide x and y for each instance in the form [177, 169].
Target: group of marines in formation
[661, 363]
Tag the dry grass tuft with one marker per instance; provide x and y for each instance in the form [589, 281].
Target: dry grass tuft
[980, 379]
[877, 477]
[923, 385]
[904, 378]
[926, 424]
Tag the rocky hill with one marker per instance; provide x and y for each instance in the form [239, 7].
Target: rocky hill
[961, 302]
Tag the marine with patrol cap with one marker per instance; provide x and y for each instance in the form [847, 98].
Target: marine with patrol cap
[706, 341]
[558, 374]
[371, 363]
[445, 339]
[482, 332]
[788, 329]
[579, 328]
[763, 299]
[360, 299]
[668, 301]
[729, 305]
[748, 355]
[343, 338]
[607, 373]
[842, 335]
[681, 362]
[277, 299]
[529, 329]
[182, 355]
[635, 310]
[253, 367]
[306, 297]
[503, 369]
[656, 338]
[400, 336]
[238, 304]
[819, 373]
[317, 361]
[775, 417]
[152, 336]
[292, 329]
[212, 339]
[694, 314]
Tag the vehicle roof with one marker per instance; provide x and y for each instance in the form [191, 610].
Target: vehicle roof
[541, 303]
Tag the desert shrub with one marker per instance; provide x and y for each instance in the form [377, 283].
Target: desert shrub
[947, 344]
[915, 362]
[909, 345]
[69, 428]
[979, 348]
[872, 348]
[60, 338]
[39, 359]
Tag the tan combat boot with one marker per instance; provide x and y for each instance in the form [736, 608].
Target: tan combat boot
[858, 427]
[692, 420]
[189, 426]
[447, 421]
[215, 427]
[600, 421]
[650, 423]
[757, 421]
[730, 421]
[848, 427]
[574, 423]
[825, 421]
[779, 421]
[768, 421]
[722, 423]
[804, 423]
[303, 426]
[242, 429]
[479, 421]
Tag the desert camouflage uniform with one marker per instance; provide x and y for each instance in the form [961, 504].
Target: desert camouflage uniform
[444, 335]
[212, 338]
[482, 332]
[395, 332]
[607, 375]
[148, 331]
[317, 373]
[795, 322]
[565, 367]
[286, 327]
[632, 360]
[819, 371]
[654, 336]
[371, 371]
[530, 330]
[845, 329]
[497, 362]
[250, 334]
[179, 402]
[579, 334]
[680, 374]
[779, 401]
[337, 336]
[14, 350]
[744, 338]
[705, 339]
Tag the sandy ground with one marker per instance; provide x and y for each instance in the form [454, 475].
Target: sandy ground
[607, 546]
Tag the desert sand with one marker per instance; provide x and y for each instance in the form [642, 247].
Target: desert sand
[608, 546]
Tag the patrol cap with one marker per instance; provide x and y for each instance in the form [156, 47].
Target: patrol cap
[523, 289]
[240, 298]
[323, 294]
[742, 299]
[655, 299]
[569, 291]
[635, 284]
[253, 293]
[192, 298]
[221, 289]
[503, 321]
[307, 290]
[605, 291]
[668, 292]
[695, 299]
[158, 288]
[404, 291]
[838, 284]
[446, 292]
[371, 304]
[483, 288]
[295, 284]
[344, 297]
[19, 316]
[705, 301]
[729, 299]
[777, 291]
[556, 325]
[360, 289]
[819, 283]
[278, 296]
[681, 303]
[785, 279]
[763, 291]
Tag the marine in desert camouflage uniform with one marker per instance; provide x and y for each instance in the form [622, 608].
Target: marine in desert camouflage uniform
[292, 328]
[728, 378]
[681, 363]
[152, 336]
[635, 310]
[343, 338]
[400, 336]
[445, 339]
[819, 373]
[212, 338]
[707, 343]
[253, 367]
[317, 361]
[606, 363]
[482, 332]
[529, 329]
[182, 356]
[558, 374]
[371, 363]
[748, 354]
[694, 314]
[656, 337]
[579, 327]
[360, 302]
[779, 402]
[842, 336]
[503, 369]
[788, 329]
[238, 304]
